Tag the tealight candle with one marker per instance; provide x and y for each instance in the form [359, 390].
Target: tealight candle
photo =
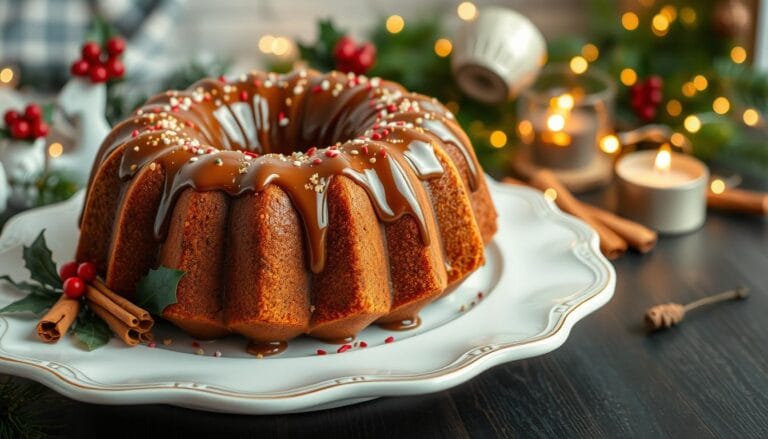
[663, 190]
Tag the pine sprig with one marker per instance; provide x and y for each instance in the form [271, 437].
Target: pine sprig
[29, 410]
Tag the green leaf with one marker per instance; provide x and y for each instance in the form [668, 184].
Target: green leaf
[35, 303]
[38, 260]
[31, 288]
[157, 290]
[92, 331]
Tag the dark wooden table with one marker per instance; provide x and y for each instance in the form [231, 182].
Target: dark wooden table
[706, 378]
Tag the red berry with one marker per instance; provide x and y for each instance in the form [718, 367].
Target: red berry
[638, 102]
[80, 67]
[33, 112]
[20, 130]
[655, 97]
[647, 113]
[91, 52]
[115, 68]
[11, 116]
[115, 46]
[654, 82]
[365, 58]
[637, 90]
[74, 287]
[344, 51]
[86, 271]
[68, 270]
[39, 129]
[98, 73]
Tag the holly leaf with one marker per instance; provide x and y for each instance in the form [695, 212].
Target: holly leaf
[31, 288]
[157, 290]
[92, 331]
[35, 303]
[38, 260]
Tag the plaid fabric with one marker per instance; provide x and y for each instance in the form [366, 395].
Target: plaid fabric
[43, 37]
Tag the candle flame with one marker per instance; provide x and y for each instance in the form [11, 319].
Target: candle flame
[663, 158]
[717, 186]
[564, 101]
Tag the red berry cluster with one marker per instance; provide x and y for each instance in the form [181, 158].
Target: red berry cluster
[100, 66]
[646, 97]
[75, 276]
[354, 58]
[29, 125]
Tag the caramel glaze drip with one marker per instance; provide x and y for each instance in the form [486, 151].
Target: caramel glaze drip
[402, 325]
[241, 136]
[266, 349]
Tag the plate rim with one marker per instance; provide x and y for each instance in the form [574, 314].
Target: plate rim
[314, 396]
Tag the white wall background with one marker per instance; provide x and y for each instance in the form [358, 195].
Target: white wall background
[235, 26]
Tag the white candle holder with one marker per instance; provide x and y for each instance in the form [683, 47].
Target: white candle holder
[670, 202]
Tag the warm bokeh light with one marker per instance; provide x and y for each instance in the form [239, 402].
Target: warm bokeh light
[556, 122]
[717, 186]
[550, 194]
[443, 47]
[560, 138]
[721, 105]
[579, 65]
[564, 101]
[660, 25]
[700, 82]
[498, 139]
[687, 15]
[265, 43]
[55, 149]
[281, 46]
[395, 24]
[590, 52]
[609, 144]
[628, 77]
[670, 12]
[677, 139]
[6, 75]
[663, 158]
[689, 90]
[751, 117]
[467, 11]
[525, 130]
[692, 123]
[630, 21]
[674, 107]
[738, 54]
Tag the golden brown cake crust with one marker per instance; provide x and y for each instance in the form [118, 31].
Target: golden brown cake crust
[279, 235]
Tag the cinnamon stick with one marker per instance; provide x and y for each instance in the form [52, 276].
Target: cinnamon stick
[104, 294]
[638, 236]
[611, 244]
[128, 335]
[58, 319]
[739, 200]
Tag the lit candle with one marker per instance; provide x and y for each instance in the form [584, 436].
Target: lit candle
[663, 190]
[565, 136]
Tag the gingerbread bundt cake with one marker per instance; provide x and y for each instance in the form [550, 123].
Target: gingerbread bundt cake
[278, 237]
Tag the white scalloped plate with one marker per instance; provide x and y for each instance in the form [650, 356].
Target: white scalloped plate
[544, 273]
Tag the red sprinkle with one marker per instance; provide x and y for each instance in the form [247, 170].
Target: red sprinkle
[365, 149]
[257, 83]
[222, 78]
[344, 348]
[384, 132]
[376, 136]
[383, 152]
[190, 124]
[363, 344]
[135, 133]
[195, 344]
[311, 150]
[316, 161]
[280, 116]
[391, 108]
[250, 154]
[321, 352]
[389, 339]
[243, 95]
[331, 153]
[317, 89]
[152, 345]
